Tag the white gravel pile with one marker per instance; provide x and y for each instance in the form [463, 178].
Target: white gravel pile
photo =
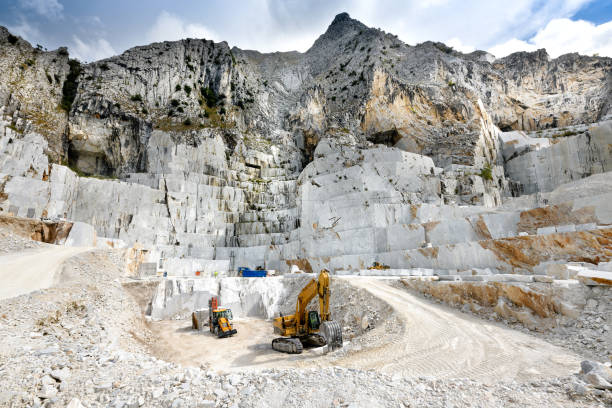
[10, 242]
[591, 333]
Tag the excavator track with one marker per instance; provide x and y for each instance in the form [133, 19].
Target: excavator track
[333, 334]
[288, 345]
[313, 340]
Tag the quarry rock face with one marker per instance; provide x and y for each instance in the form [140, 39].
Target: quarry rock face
[363, 149]
[31, 90]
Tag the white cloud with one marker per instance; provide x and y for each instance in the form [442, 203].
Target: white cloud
[510, 46]
[562, 36]
[169, 27]
[49, 8]
[499, 26]
[271, 25]
[459, 46]
[282, 25]
[91, 51]
[431, 3]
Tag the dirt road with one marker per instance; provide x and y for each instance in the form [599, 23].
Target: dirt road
[27, 271]
[441, 342]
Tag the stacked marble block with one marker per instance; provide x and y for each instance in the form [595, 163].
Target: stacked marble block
[220, 206]
[175, 215]
[357, 204]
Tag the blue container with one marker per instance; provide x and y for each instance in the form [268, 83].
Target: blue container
[251, 273]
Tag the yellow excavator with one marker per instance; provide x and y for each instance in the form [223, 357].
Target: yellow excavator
[308, 327]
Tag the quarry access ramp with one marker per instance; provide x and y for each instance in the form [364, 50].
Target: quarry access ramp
[34, 269]
[439, 342]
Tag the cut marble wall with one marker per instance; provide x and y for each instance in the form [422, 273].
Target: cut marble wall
[539, 167]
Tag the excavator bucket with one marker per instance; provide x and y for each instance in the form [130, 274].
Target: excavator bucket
[332, 333]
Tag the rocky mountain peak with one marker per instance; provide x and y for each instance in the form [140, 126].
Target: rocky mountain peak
[342, 18]
[358, 79]
[539, 57]
[342, 26]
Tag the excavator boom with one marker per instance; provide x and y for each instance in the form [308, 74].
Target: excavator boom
[323, 289]
[304, 298]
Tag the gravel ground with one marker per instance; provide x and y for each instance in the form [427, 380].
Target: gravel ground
[10, 242]
[83, 342]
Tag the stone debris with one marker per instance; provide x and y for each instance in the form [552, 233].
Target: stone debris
[12, 242]
[597, 374]
[76, 403]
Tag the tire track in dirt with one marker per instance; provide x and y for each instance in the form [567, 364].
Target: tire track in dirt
[441, 342]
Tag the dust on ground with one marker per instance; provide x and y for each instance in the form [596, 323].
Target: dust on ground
[249, 349]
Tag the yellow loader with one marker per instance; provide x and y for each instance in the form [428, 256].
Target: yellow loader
[219, 319]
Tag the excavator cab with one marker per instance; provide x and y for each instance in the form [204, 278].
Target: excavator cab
[314, 321]
[223, 313]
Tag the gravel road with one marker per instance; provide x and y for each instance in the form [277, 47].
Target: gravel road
[34, 269]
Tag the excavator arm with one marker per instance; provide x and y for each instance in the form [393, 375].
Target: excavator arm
[313, 288]
[330, 329]
[304, 298]
[323, 289]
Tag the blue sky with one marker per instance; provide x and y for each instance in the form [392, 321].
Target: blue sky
[98, 29]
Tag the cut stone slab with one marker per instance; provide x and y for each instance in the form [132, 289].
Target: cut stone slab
[449, 278]
[198, 319]
[81, 235]
[565, 228]
[474, 278]
[595, 278]
[547, 230]
[543, 279]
